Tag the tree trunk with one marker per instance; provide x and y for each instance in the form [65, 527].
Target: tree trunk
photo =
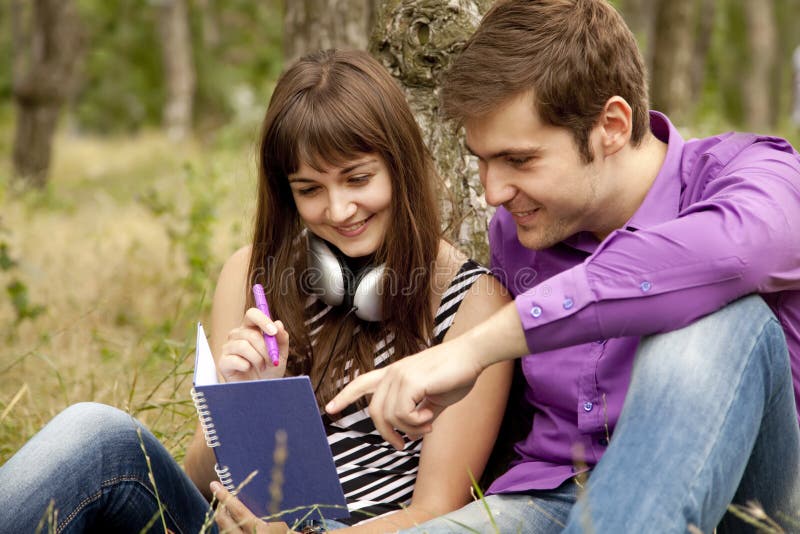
[179, 74]
[640, 17]
[762, 44]
[706, 11]
[796, 87]
[319, 24]
[416, 40]
[670, 86]
[47, 44]
[210, 27]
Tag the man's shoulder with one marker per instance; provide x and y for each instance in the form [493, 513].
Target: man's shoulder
[731, 147]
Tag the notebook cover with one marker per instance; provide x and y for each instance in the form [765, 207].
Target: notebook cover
[248, 418]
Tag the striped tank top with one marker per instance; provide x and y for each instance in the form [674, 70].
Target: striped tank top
[375, 477]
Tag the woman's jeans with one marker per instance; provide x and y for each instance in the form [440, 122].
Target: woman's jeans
[88, 462]
[709, 419]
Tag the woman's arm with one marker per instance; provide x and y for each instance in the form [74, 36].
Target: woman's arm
[463, 436]
[226, 314]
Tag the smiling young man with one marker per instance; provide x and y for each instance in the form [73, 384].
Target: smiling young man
[647, 270]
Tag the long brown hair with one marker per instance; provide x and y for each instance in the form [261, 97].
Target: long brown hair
[573, 54]
[328, 108]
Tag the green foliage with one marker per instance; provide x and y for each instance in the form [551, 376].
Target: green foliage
[123, 81]
[122, 86]
[235, 73]
[5, 51]
[16, 289]
[190, 229]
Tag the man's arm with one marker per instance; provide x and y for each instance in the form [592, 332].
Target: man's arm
[738, 237]
[409, 394]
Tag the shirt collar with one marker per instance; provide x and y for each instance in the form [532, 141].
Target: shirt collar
[663, 199]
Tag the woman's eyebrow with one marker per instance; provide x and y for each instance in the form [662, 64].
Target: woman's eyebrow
[354, 166]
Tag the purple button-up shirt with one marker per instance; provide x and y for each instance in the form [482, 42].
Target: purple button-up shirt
[721, 220]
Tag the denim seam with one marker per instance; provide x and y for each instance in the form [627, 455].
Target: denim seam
[693, 486]
[90, 499]
[106, 484]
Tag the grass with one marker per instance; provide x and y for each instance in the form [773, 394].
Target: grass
[113, 265]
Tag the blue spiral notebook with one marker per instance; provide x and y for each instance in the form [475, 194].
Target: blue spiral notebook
[270, 432]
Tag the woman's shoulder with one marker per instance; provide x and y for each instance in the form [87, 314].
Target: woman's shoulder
[449, 261]
[233, 276]
[238, 262]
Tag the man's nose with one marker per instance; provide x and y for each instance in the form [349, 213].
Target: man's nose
[496, 189]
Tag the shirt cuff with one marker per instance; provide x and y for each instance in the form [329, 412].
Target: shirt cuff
[542, 307]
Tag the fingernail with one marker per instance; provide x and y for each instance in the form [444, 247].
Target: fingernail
[271, 330]
[215, 486]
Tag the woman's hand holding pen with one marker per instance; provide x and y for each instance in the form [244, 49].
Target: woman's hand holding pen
[244, 355]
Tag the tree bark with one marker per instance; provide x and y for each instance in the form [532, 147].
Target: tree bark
[179, 73]
[670, 86]
[762, 46]
[319, 24]
[416, 40]
[47, 44]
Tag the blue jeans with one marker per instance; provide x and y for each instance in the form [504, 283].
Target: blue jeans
[89, 462]
[709, 420]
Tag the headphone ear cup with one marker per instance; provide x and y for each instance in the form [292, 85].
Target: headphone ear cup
[326, 277]
[367, 298]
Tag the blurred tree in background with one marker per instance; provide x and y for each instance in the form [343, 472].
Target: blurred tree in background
[46, 45]
[200, 65]
[318, 24]
[178, 67]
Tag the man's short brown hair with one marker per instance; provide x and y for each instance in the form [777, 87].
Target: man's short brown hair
[573, 54]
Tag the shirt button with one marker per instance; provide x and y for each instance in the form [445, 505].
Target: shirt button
[600, 341]
[587, 406]
[536, 311]
[645, 286]
[568, 304]
[603, 442]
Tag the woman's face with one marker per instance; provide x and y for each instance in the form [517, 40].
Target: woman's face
[347, 205]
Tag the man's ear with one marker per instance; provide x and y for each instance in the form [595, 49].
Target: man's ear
[615, 125]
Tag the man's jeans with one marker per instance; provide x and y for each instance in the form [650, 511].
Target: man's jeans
[709, 419]
[89, 462]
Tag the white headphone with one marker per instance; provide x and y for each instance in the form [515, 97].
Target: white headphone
[332, 280]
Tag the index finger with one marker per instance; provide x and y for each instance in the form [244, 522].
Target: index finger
[360, 386]
[257, 318]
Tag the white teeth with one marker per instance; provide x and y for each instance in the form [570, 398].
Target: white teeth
[524, 213]
[353, 227]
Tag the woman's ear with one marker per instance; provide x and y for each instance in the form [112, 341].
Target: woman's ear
[615, 125]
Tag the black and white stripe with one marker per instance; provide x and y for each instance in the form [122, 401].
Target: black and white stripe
[375, 477]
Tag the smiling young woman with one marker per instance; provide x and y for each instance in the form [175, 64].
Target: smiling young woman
[346, 186]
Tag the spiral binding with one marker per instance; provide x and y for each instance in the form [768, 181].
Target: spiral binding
[225, 477]
[210, 433]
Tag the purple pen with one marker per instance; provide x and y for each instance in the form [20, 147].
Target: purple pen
[272, 343]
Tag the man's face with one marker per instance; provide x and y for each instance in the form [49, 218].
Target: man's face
[535, 172]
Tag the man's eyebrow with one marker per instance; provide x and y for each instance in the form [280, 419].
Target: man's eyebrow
[517, 151]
